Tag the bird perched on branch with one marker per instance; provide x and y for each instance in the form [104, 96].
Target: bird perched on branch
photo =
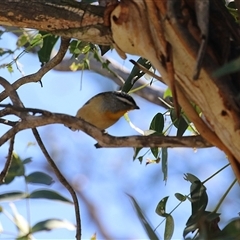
[105, 109]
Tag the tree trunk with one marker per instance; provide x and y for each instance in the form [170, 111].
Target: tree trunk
[150, 28]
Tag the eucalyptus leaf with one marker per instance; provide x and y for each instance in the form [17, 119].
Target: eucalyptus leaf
[165, 163]
[157, 123]
[12, 196]
[161, 207]
[16, 169]
[169, 227]
[230, 67]
[48, 194]
[51, 224]
[149, 230]
[49, 42]
[135, 74]
[180, 197]
[136, 152]
[39, 178]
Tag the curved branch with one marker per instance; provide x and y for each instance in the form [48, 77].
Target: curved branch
[62, 180]
[7, 165]
[104, 139]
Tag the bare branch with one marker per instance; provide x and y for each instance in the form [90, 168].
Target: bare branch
[104, 139]
[7, 165]
[62, 180]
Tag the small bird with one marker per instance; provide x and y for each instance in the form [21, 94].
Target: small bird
[105, 109]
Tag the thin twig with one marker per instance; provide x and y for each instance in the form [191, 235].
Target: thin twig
[7, 122]
[7, 165]
[62, 180]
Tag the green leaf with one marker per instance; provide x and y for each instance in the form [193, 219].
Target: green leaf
[209, 218]
[231, 230]
[155, 151]
[136, 152]
[149, 230]
[199, 197]
[51, 224]
[49, 42]
[157, 123]
[182, 126]
[179, 122]
[23, 238]
[140, 159]
[5, 51]
[169, 227]
[12, 196]
[27, 160]
[167, 93]
[16, 169]
[161, 207]
[80, 47]
[180, 197]
[39, 178]
[231, 67]
[165, 163]
[22, 40]
[37, 40]
[10, 68]
[48, 194]
[173, 117]
[135, 74]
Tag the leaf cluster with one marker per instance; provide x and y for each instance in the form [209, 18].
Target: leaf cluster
[17, 170]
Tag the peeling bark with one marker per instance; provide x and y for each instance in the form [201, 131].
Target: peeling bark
[136, 33]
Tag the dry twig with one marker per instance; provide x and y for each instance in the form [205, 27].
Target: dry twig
[8, 162]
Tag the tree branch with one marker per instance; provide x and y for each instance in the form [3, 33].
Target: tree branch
[104, 139]
[62, 180]
[70, 19]
[8, 162]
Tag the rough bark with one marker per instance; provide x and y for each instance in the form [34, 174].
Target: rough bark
[137, 24]
[65, 18]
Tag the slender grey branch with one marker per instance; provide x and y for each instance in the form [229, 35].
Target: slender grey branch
[7, 165]
[62, 180]
[104, 139]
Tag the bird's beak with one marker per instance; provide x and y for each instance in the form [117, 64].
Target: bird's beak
[136, 107]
